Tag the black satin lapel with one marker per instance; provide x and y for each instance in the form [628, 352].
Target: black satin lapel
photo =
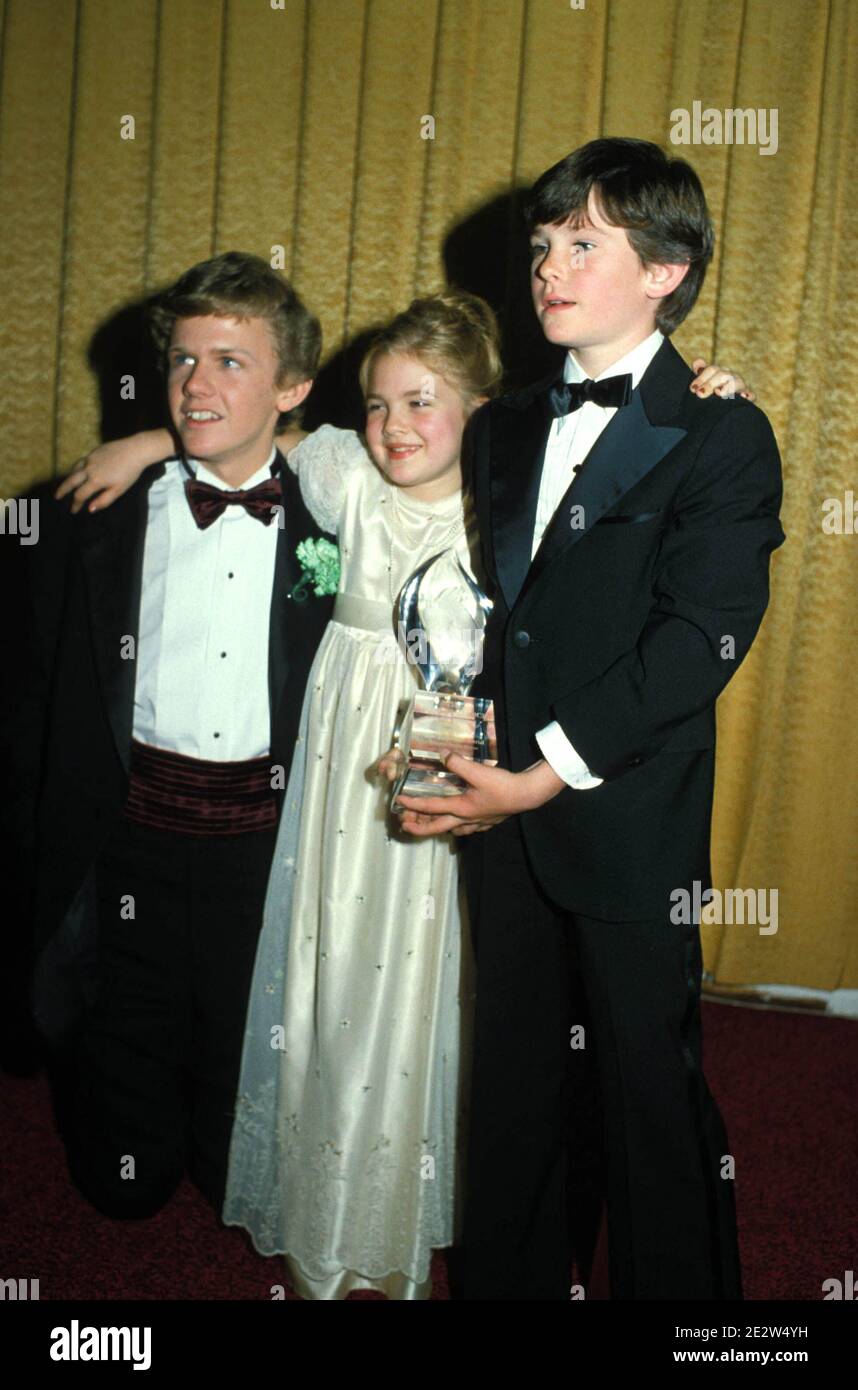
[112, 557]
[626, 450]
[518, 452]
[286, 575]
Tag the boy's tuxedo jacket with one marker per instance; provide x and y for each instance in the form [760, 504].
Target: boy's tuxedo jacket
[618, 628]
[72, 724]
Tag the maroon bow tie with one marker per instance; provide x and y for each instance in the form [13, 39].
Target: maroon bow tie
[207, 503]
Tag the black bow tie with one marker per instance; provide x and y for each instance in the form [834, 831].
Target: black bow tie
[566, 396]
[208, 503]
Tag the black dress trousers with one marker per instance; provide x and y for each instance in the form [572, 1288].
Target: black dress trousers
[157, 1061]
[535, 1164]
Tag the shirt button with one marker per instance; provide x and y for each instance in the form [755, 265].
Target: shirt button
[521, 638]
[217, 735]
[635, 762]
[223, 653]
[230, 575]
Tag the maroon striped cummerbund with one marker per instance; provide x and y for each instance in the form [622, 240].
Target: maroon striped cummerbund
[169, 791]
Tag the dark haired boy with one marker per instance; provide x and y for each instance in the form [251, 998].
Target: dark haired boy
[172, 662]
[627, 529]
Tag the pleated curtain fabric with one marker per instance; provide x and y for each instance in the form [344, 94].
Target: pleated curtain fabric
[368, 148]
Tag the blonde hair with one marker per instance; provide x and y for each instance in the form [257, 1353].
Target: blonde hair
[454, 332]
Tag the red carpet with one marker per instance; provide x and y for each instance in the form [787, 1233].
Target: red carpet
[786, 1083]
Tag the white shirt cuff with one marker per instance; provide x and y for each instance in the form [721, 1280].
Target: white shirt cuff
[561, 756]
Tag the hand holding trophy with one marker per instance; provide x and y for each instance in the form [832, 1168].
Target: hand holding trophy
[442, 614]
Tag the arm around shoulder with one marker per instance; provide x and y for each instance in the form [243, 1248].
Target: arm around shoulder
[324, 462]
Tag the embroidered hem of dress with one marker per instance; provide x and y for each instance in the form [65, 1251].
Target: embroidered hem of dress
[395, 1283]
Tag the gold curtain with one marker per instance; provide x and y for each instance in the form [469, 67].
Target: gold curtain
[259, 124]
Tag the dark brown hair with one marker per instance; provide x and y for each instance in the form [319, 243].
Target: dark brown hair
[658, 200]
[239, 285]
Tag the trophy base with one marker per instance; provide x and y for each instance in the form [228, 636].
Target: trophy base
[437, 721]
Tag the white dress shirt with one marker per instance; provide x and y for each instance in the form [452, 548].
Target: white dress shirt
[570, 440]
[202, 654]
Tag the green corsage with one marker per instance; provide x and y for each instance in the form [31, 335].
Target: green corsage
[320, 561]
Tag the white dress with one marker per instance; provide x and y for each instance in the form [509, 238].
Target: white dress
[349, 1126]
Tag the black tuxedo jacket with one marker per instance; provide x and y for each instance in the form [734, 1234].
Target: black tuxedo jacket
[71, 724]
[656, 556]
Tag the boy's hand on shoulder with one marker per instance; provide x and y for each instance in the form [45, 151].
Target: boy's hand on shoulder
[718, 381]
[110, 469]
[493, 794]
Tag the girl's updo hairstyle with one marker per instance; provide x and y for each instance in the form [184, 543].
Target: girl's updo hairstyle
[455, 333]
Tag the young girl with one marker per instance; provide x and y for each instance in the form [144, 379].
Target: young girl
[349, 1115]
[351, 1109]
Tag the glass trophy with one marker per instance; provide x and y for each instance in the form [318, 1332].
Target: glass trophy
[442, 616]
